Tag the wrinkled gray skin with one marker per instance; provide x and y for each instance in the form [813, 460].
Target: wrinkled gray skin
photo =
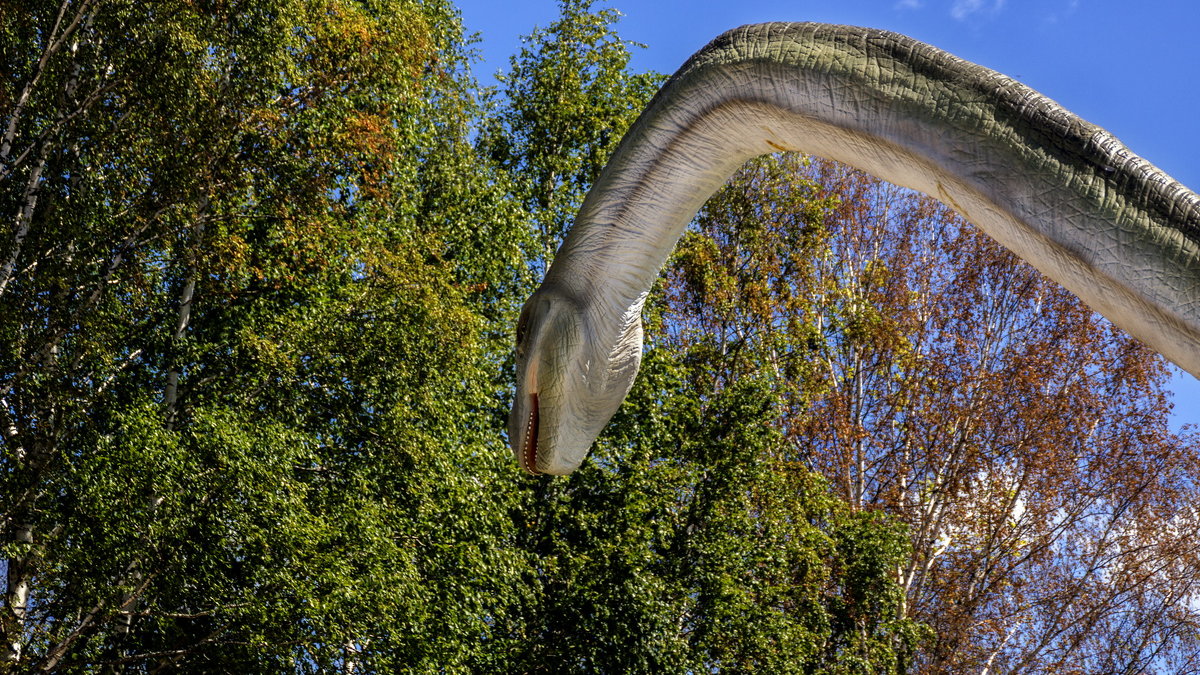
[1059, 192]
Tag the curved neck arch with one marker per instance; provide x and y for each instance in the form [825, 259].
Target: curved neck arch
[1061, 193]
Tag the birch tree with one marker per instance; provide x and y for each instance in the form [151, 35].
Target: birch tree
[927, 373]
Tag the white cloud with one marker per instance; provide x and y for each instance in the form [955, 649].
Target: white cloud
[909, 4]
[965, 8]
[1064, 12]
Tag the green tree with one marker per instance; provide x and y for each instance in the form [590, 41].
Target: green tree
[563, 107]
[242, 357]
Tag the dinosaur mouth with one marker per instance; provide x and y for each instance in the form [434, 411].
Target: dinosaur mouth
[529, 450]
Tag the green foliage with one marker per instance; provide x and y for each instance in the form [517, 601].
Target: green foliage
[243, 355]
[685, 545]
[566, 104]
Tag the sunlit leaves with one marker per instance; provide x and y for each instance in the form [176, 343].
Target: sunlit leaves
[567, 101]
[246, 386]
[929, 374]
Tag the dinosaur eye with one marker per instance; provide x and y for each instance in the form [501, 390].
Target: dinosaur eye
[522, 324]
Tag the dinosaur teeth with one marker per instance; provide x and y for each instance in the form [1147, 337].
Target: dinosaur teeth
[529, 451]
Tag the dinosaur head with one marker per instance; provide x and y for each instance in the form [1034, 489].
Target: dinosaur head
[573, 372]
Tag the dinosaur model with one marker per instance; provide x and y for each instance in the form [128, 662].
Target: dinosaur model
[1061, 193]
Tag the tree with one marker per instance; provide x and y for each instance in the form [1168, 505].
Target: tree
[241, 292]
[566, 103]
[930, 375]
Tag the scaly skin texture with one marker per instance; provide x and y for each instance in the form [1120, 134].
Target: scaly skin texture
[1061, 193]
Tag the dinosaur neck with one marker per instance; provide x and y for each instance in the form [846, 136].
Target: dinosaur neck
[1061, 193]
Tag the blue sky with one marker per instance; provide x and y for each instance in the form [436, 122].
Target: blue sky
[1130, 67]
